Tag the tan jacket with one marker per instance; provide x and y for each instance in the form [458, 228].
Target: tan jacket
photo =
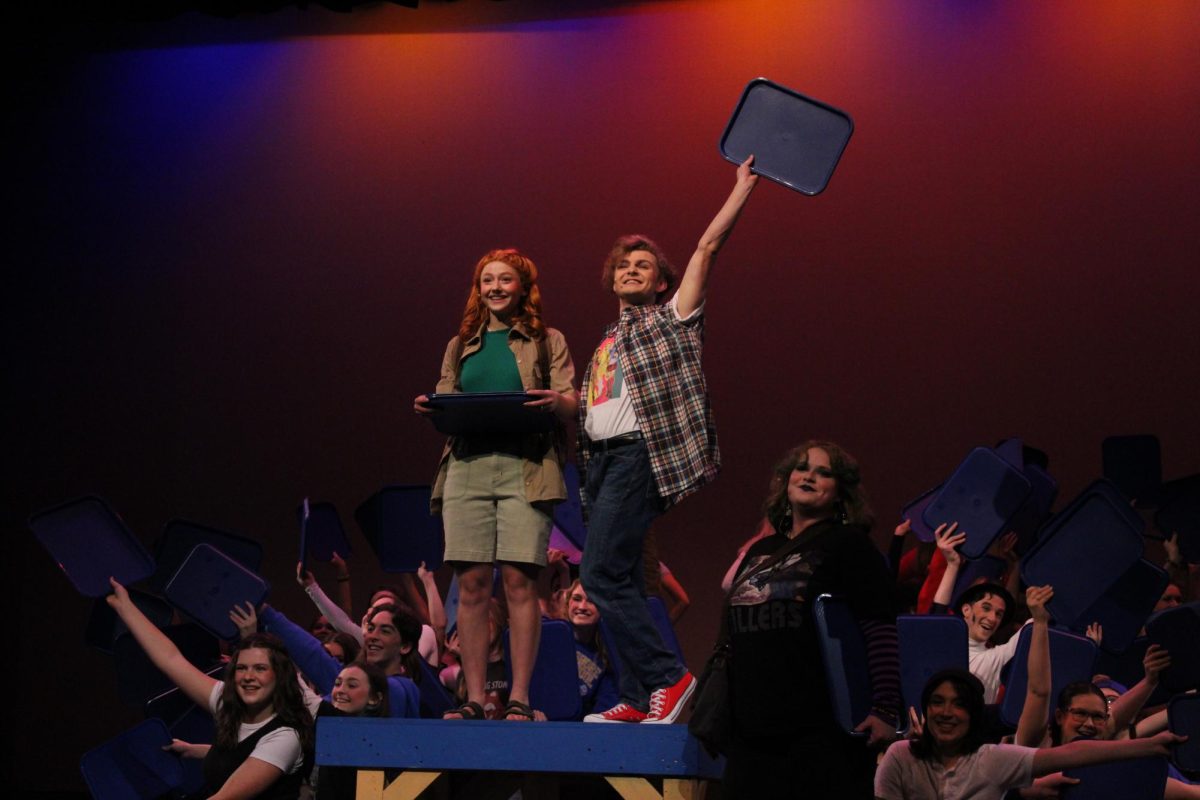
[543, 470]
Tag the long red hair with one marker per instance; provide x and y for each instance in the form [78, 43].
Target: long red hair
[530, 311]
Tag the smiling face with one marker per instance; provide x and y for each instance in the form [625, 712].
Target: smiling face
[947, 718]
[581, 612]
[382, 643]
[636, 279]
[1085, 717]
[254, 678]
[983, 617]
[500, 288]
[352, 691]
[812, 489]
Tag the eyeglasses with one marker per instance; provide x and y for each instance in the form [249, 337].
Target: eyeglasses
[1080, 715]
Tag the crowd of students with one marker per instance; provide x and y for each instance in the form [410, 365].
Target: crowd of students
[646, 440]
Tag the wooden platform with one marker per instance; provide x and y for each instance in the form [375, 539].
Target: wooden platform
[633, 759]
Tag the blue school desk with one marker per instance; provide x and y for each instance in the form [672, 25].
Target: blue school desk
[627, 756]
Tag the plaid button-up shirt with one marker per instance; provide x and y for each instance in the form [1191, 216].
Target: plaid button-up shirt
[660, 356]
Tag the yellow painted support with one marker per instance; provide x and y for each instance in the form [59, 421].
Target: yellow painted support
[369, 785]
[633, 788]
[408, 785]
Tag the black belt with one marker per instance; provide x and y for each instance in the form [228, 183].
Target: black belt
[484, 444]
[614, 442]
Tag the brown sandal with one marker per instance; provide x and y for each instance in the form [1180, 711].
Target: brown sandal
[469, 710]
[517, 709]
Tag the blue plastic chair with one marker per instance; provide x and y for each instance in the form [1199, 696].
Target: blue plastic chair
[554, 685]
[982, 495]
[988, 568]
[1072, 658]
[133, 766]
[179, 538]
[1098, 521]
[844, 655]
[568, 515]
[1122, 611]
[435, 699]
[397, 524]
[90, 544]
[1033, 514]
[928, 643]
[187, 721]
[323, 534]
[208, 584]
[1178, 630]
[1139, 779]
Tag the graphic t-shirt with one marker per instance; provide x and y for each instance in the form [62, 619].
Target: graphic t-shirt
[609, 407]
[771, 628]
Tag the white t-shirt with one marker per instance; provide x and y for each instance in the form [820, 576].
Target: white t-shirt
[280, 748]
[609, 407]
[986, 662]
[986, 774]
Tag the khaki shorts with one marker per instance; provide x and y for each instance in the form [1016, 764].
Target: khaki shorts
[486, 516]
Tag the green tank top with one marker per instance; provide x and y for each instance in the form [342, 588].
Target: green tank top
[492, 368]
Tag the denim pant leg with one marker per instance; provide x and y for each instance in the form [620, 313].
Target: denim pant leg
[622, 503]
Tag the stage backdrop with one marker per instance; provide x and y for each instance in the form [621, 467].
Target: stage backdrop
[237, 248]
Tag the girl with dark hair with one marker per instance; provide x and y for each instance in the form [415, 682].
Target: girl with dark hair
[785, 734]
[264, 731]
[1084, 712]
[390, 637]
[950, 760]
[495, 492]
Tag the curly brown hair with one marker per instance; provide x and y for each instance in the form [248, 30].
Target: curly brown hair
[626, 245]
[852, 505]
[286, 698]
[530, 311]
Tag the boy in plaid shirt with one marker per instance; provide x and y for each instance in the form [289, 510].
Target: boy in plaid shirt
[646, 441]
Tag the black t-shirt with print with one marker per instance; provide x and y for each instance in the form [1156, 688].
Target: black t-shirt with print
[778, 680]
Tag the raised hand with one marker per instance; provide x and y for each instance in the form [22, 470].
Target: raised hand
[948, 539]
[1036, 598]
[1155, 661]
[245, 619]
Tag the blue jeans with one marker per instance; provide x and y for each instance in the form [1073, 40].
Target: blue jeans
[622, 501]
